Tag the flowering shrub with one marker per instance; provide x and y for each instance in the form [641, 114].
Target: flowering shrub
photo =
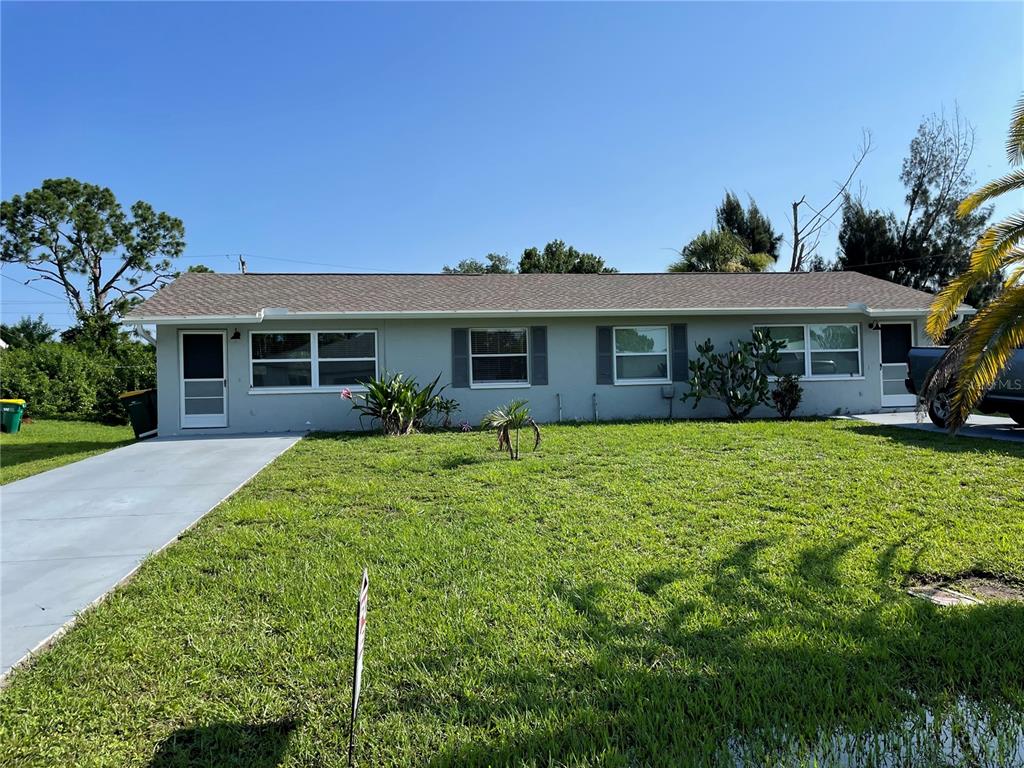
[397, 403]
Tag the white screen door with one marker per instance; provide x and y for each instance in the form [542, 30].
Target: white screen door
[896, 339]
[203, 379]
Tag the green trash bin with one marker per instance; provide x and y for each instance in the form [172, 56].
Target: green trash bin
[141, 407]
[10, 415]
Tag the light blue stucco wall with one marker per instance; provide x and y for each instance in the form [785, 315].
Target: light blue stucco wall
[422, 348]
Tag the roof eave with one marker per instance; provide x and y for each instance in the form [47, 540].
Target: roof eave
[279, 314]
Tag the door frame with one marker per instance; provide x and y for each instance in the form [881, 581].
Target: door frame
[220, 420]
[902, 401]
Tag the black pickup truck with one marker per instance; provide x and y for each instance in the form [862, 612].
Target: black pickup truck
[1006, 395]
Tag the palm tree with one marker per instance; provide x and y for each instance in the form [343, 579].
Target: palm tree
[719, 251]
[974, 360]
[514, 416]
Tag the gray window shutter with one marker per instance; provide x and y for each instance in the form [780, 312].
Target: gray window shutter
[680, 353]
[604, 355]
[539, 355]
[460, 358]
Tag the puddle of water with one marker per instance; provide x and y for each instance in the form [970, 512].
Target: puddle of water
[969, 735]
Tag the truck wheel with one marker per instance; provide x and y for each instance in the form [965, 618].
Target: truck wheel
[938, 410]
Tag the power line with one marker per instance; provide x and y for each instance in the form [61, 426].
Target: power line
[30, 287]
[25, 313]
[31, 301]
[232, 256]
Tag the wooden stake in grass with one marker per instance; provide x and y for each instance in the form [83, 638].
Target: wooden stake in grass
[357, 670]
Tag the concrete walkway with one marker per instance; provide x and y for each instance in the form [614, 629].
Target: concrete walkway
[993, 427]
[71, 534]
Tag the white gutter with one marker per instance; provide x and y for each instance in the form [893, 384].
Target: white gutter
[276, 313]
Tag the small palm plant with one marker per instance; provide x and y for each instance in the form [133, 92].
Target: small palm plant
[513, 417]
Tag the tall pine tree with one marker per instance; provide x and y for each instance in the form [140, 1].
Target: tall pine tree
[749, 225]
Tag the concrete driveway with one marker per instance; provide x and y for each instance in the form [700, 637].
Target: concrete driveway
[993, 427]
[71, 534]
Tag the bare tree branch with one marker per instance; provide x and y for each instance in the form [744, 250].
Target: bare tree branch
[807, 236]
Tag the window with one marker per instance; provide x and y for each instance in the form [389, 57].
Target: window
[345, 358]
[282, 360]
[835, 350]
[793, 356]
[312, 359]
[817, 351]
[641, 354]
[498, 356]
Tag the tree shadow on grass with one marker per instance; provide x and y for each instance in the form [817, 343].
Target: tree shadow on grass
[456, 461]
[226, 745]
[19, 453]
[787, 667]
[344, 437]
[941, 441]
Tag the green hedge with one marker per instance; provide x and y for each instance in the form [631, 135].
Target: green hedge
[68, 381]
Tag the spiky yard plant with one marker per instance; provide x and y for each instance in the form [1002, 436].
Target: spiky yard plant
[508, 419]
[396, 402]
[975, 359]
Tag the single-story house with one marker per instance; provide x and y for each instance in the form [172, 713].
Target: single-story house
[241, 353]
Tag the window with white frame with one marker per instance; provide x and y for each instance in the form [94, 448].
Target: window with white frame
[282, 359]
[312, 359]
[345, 358]
[499, 356]
[826, 350]
[641, 354]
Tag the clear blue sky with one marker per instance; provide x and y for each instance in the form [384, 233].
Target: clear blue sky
[401, 137]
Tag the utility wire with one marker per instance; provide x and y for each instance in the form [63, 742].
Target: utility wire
[30, 287]
[233, 256]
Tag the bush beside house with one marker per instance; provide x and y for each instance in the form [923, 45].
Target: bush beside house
[77, 381]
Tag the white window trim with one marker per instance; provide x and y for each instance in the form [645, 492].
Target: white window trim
[314, 361]
[518, 384]
[807, 375]
[636, 382]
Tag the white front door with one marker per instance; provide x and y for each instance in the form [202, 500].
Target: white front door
[204, 386]
[895, 340]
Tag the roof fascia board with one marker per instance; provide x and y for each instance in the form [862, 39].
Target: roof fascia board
[416, 315]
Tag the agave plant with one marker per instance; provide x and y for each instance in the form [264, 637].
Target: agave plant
[508, 419]
[397, 403]
[974, 360]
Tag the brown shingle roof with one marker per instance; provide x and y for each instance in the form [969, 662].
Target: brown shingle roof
[222, 295]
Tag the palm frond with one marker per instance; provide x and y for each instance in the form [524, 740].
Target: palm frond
[995, 251]
[946, 304]
[997, 241]
[1015, 276]
[1011, 182]
[941, 378]
[1015, 141]
[994, 335]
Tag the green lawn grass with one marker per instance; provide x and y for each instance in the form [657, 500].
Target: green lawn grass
[44, 444]
[629, 595]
